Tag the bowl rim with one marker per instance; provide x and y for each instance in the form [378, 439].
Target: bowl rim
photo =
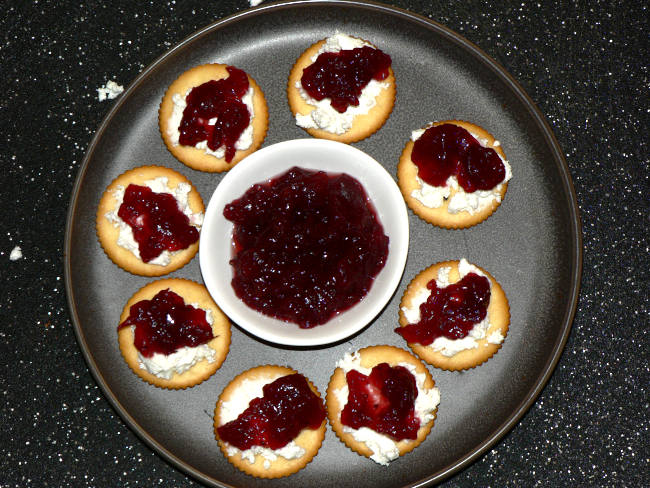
[385, 283]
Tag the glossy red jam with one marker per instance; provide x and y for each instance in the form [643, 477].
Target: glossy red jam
[165, 324]
[157, 222]
[220, 99]
[307, 245]
[341, 76]
[273, 420]
[448, 150]
[384, 401]
[451, 311]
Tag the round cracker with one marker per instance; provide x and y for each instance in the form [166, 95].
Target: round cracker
[309, 439]
[197, 158]
[192, 293]
[440, 216]
[498, 313]
[108, 233]
[363, 125]
[370, 357]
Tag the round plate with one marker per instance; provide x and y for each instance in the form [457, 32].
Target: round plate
[531, 245]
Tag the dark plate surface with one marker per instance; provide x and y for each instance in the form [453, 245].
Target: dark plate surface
[532, 244]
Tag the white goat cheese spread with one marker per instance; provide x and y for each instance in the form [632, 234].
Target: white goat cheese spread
[245, 139]
[16, 253]
[109, 91]
[165, 365]
[324, 116]
[435, 196]
[384, 448]
[157, 185]
[247, 391]
[449, 347]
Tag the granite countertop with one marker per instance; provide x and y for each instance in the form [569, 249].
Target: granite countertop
[583, 63]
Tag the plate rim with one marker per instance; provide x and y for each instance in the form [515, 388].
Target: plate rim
[500, 72]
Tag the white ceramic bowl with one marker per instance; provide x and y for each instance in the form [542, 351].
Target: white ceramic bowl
[263, 165]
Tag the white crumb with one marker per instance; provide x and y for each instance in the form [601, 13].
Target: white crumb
[109, 91]
[16, 254]
[254, 3]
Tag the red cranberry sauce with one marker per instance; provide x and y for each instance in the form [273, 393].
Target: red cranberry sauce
[220, 99]
[341, 76]
[157, 222]
[273, 420]
[451, 311]
[448, 150]
[384, 401]
[165, 324]
[308, 245]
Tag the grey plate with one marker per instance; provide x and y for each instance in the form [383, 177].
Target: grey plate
[532, 244]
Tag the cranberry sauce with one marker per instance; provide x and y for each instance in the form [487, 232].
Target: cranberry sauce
[165, 324]
[307, 244]
[157, 222]
[384, 401]
[287, 407]
[451, 311]
[341, 76]
[220, 100]
[448, 150]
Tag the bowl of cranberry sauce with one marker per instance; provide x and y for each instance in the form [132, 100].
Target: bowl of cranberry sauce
[304, 242]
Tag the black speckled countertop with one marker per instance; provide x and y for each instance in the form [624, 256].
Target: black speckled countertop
[585, 64]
